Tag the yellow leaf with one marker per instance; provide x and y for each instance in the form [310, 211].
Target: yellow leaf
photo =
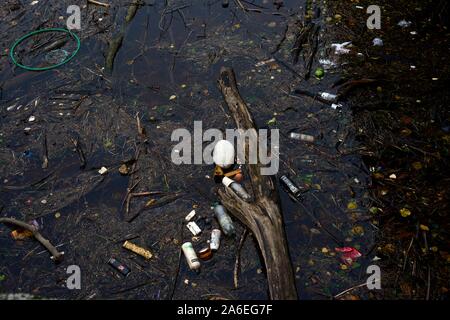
[352, 205]
[378, 176]
[358, 230]
[424, 227]
[417, 165]
[324, 250]
[405, 212]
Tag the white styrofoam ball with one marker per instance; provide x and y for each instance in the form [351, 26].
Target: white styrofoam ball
[223, 154]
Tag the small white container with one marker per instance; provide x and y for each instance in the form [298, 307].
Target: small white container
[215, 239]
[194, 228]
[223, 154]
[328, 96]
[302, 137]
[190, 216]
[191, 256]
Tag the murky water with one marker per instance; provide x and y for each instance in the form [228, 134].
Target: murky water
[169, 51]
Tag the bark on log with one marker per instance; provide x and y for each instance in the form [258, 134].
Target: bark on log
[263, 215]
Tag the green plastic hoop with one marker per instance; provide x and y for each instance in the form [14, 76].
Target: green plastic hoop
[73, 35]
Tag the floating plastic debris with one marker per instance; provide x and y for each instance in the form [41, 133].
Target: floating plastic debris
[377, 42]
[340, 48]
[404, 24]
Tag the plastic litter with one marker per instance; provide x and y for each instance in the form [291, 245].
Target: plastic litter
[33, 33]
[327, 64]
[237, 188]
[224, 219]
[377, 42]
[215, 239]
[340, 48]
[194, 228]
[336, 106]
[22, 234]
[103, 170]
[290, 186]
[56, 56]
[404, 24]
[301, 137]
[191, 256]
[328, 96]
[349, 254]
[190, 216]
[123, 269]
[223, 154]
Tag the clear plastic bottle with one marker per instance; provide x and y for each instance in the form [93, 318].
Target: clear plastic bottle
[328, 96]
[224, 219]
[237, 188]
[302, 137]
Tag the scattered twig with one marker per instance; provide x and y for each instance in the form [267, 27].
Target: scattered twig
[141, 130]
[80, 152]
[237, 264]
[159, 203]
[106, 5]
[177, 271]
[44, 151]
[351, 289]
[56, 255]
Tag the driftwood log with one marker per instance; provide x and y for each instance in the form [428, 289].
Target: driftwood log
[263, 215]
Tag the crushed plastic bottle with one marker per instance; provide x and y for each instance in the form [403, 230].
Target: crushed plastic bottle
[224, 219]
[237, 188]
[341, 48]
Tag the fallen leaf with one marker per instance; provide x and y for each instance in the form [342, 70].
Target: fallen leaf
[405, 212]
[352, 205]
[358, 230]
[417, 165]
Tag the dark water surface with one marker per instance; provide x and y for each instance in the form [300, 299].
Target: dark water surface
[179, 53]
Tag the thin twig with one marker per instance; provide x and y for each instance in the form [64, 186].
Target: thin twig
[237, 264]
[56, 255]
[106, 5]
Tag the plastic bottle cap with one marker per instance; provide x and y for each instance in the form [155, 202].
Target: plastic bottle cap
[227, 181]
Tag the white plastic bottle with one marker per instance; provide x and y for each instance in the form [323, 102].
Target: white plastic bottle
[191, 256]
[237, 188]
